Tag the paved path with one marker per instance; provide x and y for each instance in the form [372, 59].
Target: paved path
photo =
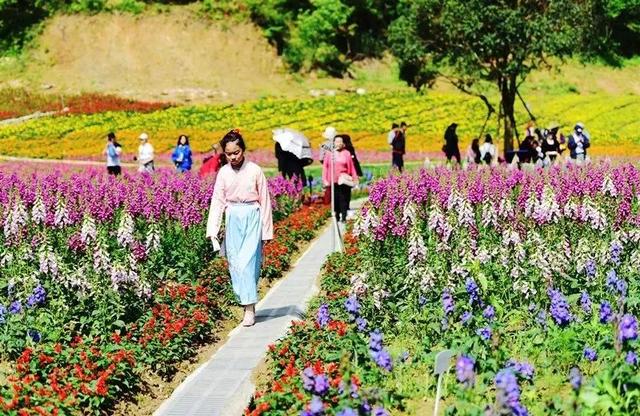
[222, 386]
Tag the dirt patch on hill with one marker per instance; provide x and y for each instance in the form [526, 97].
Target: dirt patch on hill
[175, 56]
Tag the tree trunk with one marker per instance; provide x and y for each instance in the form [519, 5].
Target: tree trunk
[507, 86]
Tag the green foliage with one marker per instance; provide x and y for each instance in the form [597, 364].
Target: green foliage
[313, 41]
[87, 6]
[17, 17]
[130, 6]
[498, 42]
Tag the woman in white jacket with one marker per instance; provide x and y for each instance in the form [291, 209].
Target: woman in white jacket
[488, 151]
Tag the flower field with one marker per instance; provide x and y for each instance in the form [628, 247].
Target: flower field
[367, 118]
[104, 279]
[530, 278]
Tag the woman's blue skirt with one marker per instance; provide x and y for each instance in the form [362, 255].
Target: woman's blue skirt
[243, 245]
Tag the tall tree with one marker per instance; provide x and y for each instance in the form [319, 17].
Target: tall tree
[499, 41]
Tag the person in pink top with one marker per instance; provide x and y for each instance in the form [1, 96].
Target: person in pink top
[344, 177]
[242, 195]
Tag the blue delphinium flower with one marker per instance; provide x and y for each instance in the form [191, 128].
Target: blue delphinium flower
[631, 358]
[15, 307]
[615, 249]
[590, 268]
[590, 354]
[323, 317]
[34, 335]
[621, 287]
[541, 317]
[473, 291]
[422, 301]
[489, 312]
[37, 297]
[508, 392]
[447, 302]
[321, 384]
[628, 328]
[606, 313]
[379, 411]
[559, 307]
[612, 280]
[484, 333]
[464, 370]
[585, 302]
[466, 317]
[316, 407]
[523, 368]
[575, 378]
[383, 359]
[361, 324]
[3, 313]
[352, 306]
[347, 412]
[375, 340]
[308, 379]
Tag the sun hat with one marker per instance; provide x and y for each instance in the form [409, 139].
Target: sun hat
[329, 133]
[143, 136]
[579, 125]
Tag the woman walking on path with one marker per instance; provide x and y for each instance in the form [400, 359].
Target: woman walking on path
[241, 193]
[344, 177]
[113, 151]
[356, 163]
[181, 156]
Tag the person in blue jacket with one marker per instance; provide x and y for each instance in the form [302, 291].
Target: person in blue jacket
[182, 154]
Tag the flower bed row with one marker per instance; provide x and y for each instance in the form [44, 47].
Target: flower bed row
[529, 278]
[91, 373]
[366, 118]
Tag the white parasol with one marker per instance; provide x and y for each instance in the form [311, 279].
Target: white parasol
[293, 141]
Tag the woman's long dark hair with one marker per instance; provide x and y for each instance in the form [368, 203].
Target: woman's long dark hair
[346, 139]
[180, 138]
[233, 136]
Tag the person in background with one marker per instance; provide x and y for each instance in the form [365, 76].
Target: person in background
[325, 148]
[550, 147]
[212, 163]
[181, 156]
[241, 194]
[113, 151]
[526, 151]
[488, 150]
[473, 153]
[450, 147]
[346, 139]
[398, 147]
[392, 133]
[578, 143]
[145, 154]
[289, 165]
[344, 177]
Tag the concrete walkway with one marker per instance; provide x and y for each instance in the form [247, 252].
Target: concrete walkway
[222, 386]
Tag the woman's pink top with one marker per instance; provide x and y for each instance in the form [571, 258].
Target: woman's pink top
[342, 164]
[247, 184]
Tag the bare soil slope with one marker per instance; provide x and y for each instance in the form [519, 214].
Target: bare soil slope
[171, 56]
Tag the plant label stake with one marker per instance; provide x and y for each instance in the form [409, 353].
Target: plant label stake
[442, 365]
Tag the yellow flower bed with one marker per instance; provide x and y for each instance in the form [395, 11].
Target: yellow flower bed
[612, 121]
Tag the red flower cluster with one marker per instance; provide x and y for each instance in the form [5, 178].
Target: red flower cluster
[92, 103]
[58, 379]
